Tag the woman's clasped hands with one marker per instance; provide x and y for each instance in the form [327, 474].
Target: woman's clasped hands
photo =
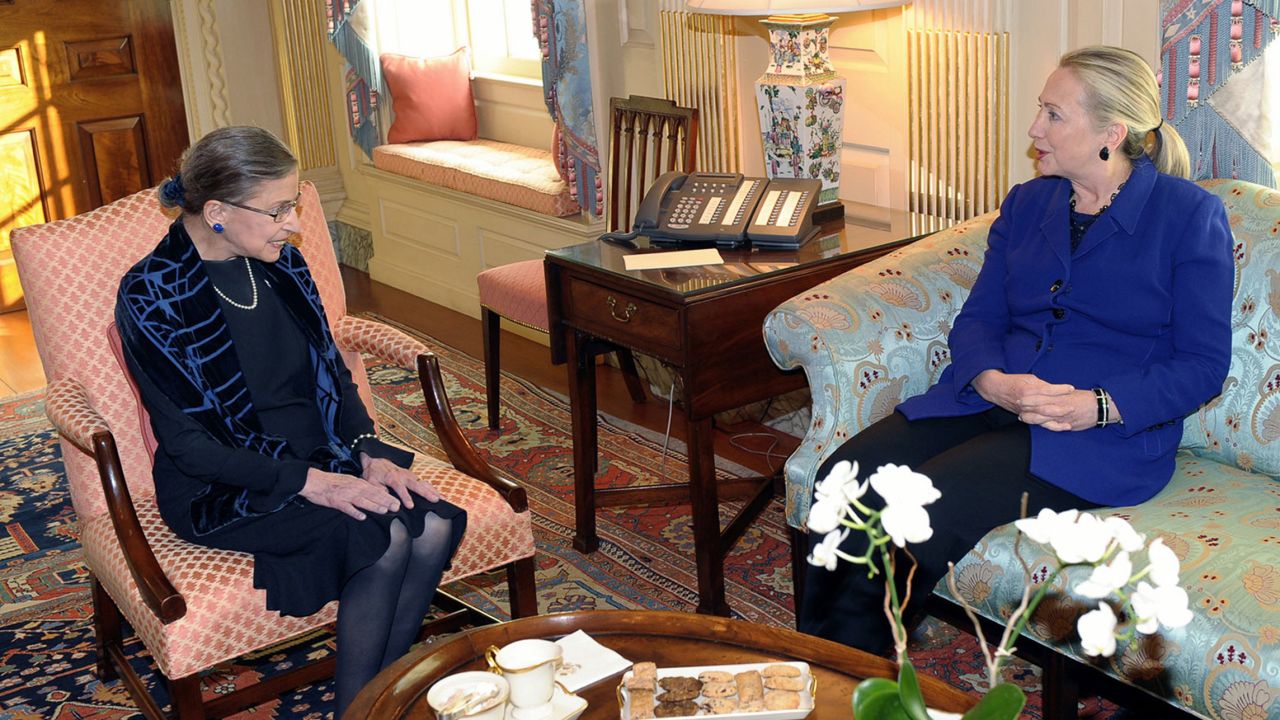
[381, 489]
[1056, 407]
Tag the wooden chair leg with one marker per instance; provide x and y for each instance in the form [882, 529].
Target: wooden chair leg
[635, 385]
[184, 695]
[106, 629]
[522, 588]
[490, 323]
[799, 565]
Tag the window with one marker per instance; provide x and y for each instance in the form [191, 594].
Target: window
[499, 32]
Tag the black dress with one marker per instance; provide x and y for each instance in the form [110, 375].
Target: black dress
[303, 553]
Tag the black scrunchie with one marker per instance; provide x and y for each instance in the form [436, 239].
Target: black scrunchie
[172, 191]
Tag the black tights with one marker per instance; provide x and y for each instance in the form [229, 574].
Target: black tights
[980, 463]
[382, 606]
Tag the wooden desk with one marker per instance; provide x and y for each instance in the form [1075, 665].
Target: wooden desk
[669, 639]
[706, 323]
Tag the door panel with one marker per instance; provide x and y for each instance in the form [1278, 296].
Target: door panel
[90, 108]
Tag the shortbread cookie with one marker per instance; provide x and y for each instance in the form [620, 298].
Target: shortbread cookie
[781, 700]
[638, 682]
[720, 689]
[641, 706]
[715, 676]
[645, 670]
[781, 671]
[793, 684]
[750, 688]
[676, 709]
[720, 705]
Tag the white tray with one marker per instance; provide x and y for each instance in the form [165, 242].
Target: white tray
[806, 695]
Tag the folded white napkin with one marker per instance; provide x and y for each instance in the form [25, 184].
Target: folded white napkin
[587, 661]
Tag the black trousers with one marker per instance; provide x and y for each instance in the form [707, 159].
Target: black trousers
[980, 463]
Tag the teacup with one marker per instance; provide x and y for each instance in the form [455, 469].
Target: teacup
[474, 682]
[530, 669]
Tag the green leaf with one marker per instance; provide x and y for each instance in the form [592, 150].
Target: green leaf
[1003, 702]
[877, 699]
[909, 693]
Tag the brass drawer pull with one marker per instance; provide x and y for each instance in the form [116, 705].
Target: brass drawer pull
[628, 312]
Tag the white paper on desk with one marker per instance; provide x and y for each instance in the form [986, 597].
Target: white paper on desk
[673, 259]
[587, 661]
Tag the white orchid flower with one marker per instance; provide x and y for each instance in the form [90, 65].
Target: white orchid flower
[1097, 630]
[1084, 541]
[900, 485]
[1107, 578]
[824, 553]
[1128, 538]
[906, 524]
[842, 473]
[1165, 605]
[826, 513]
[1164, 564]
[1043, 526]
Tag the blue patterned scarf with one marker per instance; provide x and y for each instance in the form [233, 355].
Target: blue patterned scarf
[171, 324]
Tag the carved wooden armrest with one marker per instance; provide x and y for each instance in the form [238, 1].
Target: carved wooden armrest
[385, 342]
[73, 415]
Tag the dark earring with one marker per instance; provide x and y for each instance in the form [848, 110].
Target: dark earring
[217, 227]
[1105, 153]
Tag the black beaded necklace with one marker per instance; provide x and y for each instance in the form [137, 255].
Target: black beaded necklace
[1081, 222]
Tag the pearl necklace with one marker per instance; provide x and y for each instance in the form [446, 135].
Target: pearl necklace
[1072, 202]
[252, 283]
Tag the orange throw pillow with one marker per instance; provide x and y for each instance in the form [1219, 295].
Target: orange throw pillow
[431, 97]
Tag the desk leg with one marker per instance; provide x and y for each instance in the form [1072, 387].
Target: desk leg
[707, 545]
[582, 407]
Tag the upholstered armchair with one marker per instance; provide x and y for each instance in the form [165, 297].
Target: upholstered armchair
[193, 607]
[878, 334]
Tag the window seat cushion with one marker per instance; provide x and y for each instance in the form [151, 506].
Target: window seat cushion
[513, 174]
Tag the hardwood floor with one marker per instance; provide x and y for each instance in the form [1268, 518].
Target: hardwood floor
[20, 369]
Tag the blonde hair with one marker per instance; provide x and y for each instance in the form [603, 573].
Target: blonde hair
[1120, 87]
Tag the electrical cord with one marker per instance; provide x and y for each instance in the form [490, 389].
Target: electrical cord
[622, 239]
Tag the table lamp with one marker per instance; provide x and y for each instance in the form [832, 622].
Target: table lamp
[800, 98]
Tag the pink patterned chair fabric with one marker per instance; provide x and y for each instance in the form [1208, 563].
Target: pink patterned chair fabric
[70, 271]
[518, 292]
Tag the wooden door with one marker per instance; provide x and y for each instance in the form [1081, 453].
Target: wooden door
[90, 110]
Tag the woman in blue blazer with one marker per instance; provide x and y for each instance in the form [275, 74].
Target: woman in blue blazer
[1100, 318]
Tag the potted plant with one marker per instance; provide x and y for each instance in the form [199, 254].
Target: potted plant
[1150, 597]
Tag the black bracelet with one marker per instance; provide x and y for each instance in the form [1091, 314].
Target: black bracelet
[1104, 408]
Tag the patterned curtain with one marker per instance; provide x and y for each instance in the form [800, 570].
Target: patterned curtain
[363, 72]
[1216, 87]
[561, 29]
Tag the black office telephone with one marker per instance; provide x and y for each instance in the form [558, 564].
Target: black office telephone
[728, 209]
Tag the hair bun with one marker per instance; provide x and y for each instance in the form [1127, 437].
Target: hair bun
[172, 192]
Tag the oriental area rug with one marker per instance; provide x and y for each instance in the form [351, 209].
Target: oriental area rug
[644, 561]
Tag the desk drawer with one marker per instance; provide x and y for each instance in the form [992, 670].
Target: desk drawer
[632, 321]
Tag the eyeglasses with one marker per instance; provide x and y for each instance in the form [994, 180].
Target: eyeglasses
[277, 214]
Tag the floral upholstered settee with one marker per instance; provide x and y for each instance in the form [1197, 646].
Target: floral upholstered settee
[878, 334]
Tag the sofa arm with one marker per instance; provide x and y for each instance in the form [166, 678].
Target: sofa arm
[68, 408]
[869, 339]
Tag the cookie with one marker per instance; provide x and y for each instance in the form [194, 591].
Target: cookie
[641, 705]
[719, 706]
[645, 670]
[720, 689]
[781, 671]
[637, 682]
[676, 709]
[750, 688]
[679, 683]
[679, 695]
[717, 676]
[793, 684]
[781, 700]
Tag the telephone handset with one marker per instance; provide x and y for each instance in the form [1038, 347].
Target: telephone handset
[728, 209]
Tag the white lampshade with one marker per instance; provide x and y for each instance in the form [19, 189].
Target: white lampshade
[787, 7]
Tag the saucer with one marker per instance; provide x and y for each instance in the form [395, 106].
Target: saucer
[564, 706]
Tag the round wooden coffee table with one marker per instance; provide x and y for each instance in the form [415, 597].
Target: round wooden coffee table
[670, 639]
